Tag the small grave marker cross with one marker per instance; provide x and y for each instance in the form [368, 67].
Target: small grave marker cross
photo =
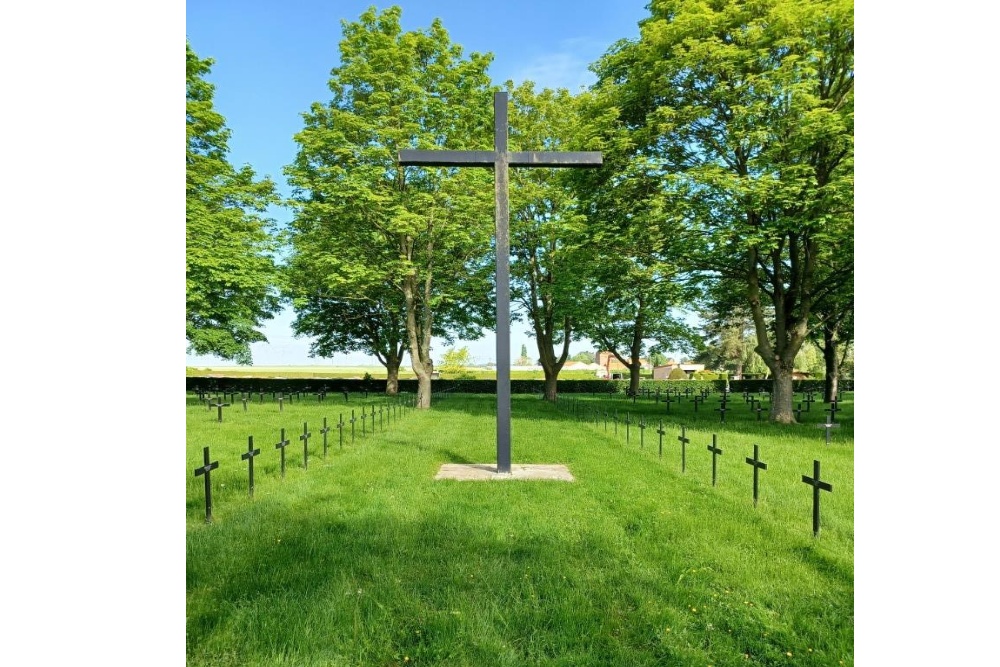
[722, 411]
[715, 451]
[817, 485]
[220, 405]
[248, 456]
[281, 403]
[324, 431]
[684, 441]
[353, 419]
[305, 444]
[642, 432]
[809, 401]
[281, 444]
[206, 470]
[628, 422]
[668, 400]
[828, 425]
[662, 433]
[758, 465]
[340, 429]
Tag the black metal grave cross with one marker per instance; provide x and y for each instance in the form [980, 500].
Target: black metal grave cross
[628, 422]
[662, 433]
[364, 416]
[715, 451]
[220, 405]
[281, 444]
[668, 401]
[206, 470]
[324, 431]
[817, 485]
[809, 401]
[828, 425]
[722, 411]
[244, 399]
[340, 429]
[353, 419]
[758, 465]
[248, 456]
[684, 441]
[305, 444]
[642, 432]
[281, 403]
[500, 159]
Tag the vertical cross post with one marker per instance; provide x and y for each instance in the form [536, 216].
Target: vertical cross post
[715, 451]
[353, 419]
[281, 444]
[684, 441]
[758, 465]
[817, 485]
[305, 444]
[500, 160]
[642, 432]
[324, 431]
[206, 470]
[220, 405]
[662, 433]
[248, 457]
[340, 429]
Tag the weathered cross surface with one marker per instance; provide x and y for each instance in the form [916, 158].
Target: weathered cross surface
[500, 159]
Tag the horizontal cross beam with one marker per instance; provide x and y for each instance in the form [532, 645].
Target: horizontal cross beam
[443, 158]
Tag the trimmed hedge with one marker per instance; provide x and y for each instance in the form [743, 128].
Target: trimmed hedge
[618, 387]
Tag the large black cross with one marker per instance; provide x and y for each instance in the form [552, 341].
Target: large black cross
[220, 405]
[499, 159]
[662, 433]
[206, 470]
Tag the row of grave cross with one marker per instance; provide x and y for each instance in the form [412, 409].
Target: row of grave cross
[219, 404]
[283, 442]
[276, 396]
[758, 465]
[755, 406]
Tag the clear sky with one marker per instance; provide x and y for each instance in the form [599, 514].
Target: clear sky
[272, 60]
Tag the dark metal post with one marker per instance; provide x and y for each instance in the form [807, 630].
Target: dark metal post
[206, 470]
[248, 457]
[715, 451]
[758, 465]
[305, 444]
[817, 485]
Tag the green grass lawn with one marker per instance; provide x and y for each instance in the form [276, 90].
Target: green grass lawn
[365, 559]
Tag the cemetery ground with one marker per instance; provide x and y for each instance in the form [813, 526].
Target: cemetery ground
[360, 557]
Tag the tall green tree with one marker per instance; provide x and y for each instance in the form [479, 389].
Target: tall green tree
[231, 274]
[374, 323]
[363, 223]
[546, 226]
[751, 107]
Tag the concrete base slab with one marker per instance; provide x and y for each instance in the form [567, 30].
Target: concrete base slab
[485, 471]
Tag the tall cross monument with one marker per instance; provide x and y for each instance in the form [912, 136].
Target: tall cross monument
[499, 159]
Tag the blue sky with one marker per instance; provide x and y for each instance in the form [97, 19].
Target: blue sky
[272, 60]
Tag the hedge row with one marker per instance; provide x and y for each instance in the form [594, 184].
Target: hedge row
[618, 387]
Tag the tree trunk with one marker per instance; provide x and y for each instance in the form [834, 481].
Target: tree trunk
[634, 378]
[392, 379]
[832, 367]
[781, 394]
[550, 385]
[424, 391]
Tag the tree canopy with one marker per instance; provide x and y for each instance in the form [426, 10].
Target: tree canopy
[231, 275]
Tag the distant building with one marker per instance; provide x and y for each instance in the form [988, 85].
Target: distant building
[612, 367]
[663, 372]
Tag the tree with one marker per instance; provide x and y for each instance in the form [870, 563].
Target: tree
[638, 266]
[583, 357]
[524, 359]
[374, 324]
[365, 224]
[546, 227]
[455, 362]
[229, 263]
[751, 107]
